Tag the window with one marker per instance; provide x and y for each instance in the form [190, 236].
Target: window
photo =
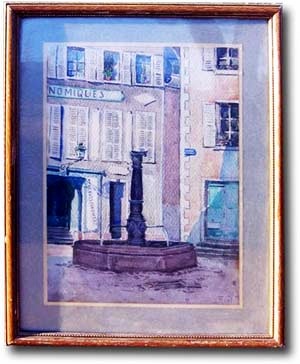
[222, 59]
[112, 136]
[143, 70]
[75, 62]
[172, 67]
[221, 124]
[144, 134]
[228, 124]
[111, 66]
[76, 119]
[227, 58]
[54, 131]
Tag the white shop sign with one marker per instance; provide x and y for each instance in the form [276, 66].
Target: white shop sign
[84, 93]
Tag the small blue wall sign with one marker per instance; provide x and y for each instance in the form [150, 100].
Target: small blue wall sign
[188, 152]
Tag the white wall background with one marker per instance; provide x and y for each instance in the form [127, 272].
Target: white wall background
[291, 33]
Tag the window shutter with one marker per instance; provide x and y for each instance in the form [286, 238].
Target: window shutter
[112, 136]
[54, 123]
[208, 59]
[144, 134]
[82, 127]
[91, 62]
[94, 132]
[61, 65]
[127, 136]
[100, 64]
[158, 71]
[209, 125]
[70, 118]
[76, 119]
[126, 65]
[51, 61]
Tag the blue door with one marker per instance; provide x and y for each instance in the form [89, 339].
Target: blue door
[222, 210]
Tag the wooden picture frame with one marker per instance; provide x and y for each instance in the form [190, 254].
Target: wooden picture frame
[24, 327]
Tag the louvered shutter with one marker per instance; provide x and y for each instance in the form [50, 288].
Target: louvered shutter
[126, 67]
[94, 133]
[208, 59]
[54, 127]
[209, 124]
[61, 66]
[51, 61]
[158, 71]
[91, 64]
[112, 136]
[82, 128]
[76, 119]
[144, 134]
[70, 119]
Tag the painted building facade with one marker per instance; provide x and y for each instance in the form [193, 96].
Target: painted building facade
[180, 103]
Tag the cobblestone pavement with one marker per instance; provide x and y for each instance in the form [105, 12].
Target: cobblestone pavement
[214, 281]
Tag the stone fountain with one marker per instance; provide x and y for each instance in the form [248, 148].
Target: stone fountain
[136, 253]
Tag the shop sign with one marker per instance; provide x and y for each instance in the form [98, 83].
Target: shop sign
[82, 93]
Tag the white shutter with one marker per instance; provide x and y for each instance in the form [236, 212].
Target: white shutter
[70, 119]
[112, 136]
[100, 64]
[82, 127]
[91, 63]
[208, 59]
[144, 134]
[127, 136]
[126, 68]
[158, 71]
[209, 124]
[61, 65]
[76, 119]
[51, 61]
[54, 122]
[94, 130]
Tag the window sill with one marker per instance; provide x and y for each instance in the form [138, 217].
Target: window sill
[227, 72]
[224, 148]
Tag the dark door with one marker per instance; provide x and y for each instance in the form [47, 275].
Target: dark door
[60, 194]
[116, 193]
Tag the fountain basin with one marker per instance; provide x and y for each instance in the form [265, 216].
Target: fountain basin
[121, 257]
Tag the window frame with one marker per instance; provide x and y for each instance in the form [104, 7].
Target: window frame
[218, 145]
[82, 49]
[228, 71]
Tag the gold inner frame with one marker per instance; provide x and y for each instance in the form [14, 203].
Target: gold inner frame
[16, 11]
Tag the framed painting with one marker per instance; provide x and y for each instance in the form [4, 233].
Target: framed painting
[143, 175]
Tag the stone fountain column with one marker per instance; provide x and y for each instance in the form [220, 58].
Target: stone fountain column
[136, 225]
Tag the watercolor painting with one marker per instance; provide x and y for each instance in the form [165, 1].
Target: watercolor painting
[143, 197]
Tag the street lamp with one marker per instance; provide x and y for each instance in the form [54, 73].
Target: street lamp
[80, 150]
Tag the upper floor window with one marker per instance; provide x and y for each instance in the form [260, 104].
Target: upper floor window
[172, 66]
[221, 124]
[75, 62]
[227, 58]
[228, 124]
[221, 59]
[143, 69]
[111, 66]
[96, 64]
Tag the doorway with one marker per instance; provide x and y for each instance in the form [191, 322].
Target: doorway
[222, 210]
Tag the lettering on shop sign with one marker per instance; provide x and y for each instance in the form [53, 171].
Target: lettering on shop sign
[84, 93]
